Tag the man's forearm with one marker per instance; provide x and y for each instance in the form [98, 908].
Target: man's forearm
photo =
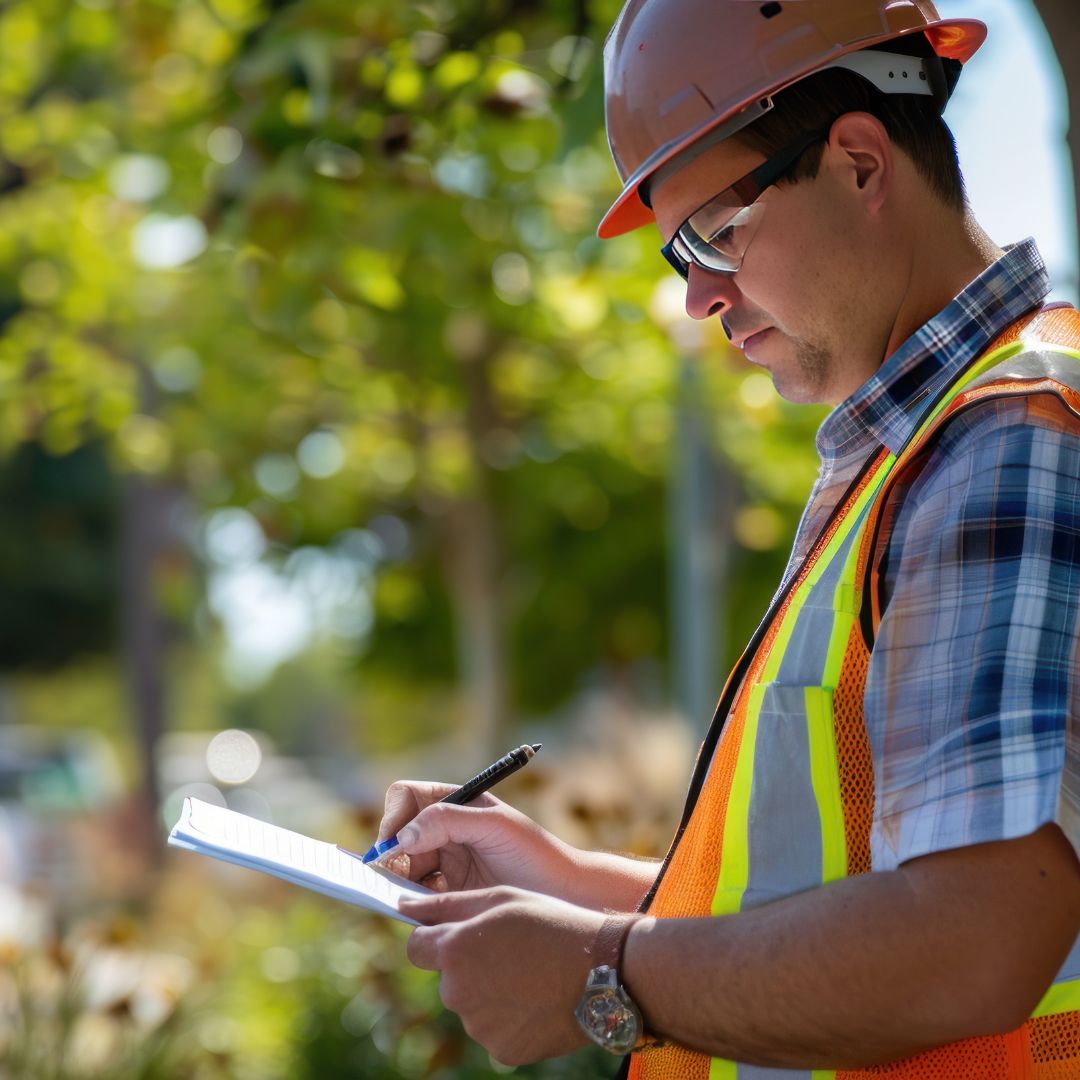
[604, 880]
[869, 969]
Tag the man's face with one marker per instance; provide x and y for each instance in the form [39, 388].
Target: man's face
[803, 303]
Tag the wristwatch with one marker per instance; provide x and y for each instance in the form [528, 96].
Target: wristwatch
[606, 1012]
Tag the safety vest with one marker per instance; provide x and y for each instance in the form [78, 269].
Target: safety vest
[783, 799]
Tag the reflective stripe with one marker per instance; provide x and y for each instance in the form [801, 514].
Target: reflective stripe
[763, 1072]
[980, 367]
[806, 850]
[1041, 364]
[735, 864]
[825, 776]
[804, 658]
[847, 600]
[783, 829]
[839, 538]
[846, 534]
[722, 1069]
[1061, 997]
[730, 1070]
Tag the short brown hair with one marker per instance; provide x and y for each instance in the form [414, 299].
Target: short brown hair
[913, 123]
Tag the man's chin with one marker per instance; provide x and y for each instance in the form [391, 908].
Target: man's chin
[799, 370]
[792, 380]
[796, 391]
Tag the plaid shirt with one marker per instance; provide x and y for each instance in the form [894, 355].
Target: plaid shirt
[973, 694]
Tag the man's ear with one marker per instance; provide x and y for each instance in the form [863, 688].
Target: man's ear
[865, 156]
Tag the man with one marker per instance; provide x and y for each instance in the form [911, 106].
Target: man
[877, 863]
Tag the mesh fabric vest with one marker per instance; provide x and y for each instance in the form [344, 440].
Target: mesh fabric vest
[783, 799]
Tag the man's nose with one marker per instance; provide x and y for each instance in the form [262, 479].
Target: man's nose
[709, 293]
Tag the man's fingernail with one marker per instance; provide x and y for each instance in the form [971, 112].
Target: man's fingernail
[408, 836]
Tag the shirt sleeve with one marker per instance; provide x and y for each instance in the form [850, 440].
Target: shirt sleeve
[972, 701]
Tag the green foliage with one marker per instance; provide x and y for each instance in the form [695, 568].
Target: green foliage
[229, 226]
[335, 264]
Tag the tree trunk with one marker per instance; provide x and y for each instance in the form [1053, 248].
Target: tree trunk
[473, 563]
[472, 560]
[145, 537]
[1062, 21]
[701, 509]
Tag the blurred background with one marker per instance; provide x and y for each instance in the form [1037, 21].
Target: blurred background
[335, 448]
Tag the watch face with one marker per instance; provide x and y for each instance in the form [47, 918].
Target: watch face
[609, 1018]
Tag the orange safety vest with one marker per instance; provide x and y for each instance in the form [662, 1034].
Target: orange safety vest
[783, 799]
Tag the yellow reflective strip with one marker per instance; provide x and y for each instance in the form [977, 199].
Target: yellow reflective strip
[1043, 347]
[1061, 997]
[843, 622]
[1035, 344]
[983, 364]
[847, 600]
[735, 863]
[825, 778]
[783, 634]
[722, 1069]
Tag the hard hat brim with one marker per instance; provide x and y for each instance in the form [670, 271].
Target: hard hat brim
[953, 39]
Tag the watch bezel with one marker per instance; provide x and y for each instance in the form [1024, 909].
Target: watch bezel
[604, 980]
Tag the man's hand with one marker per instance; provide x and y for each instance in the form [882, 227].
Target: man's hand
[468, 847]
[512, 963]
[488, 843]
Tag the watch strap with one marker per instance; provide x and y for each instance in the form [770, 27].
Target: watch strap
[610, 940]
[608, 948]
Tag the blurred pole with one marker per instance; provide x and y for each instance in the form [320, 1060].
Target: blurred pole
[473, 565]
[701, 491]
[147, 516]
[472, 557]
[1062, 23]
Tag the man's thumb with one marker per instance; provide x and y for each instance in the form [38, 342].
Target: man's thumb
[441, 824]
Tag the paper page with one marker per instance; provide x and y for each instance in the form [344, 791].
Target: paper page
[258, 845]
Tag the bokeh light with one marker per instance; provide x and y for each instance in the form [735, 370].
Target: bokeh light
[233, 756]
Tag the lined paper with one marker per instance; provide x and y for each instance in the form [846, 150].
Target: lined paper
[258, 845]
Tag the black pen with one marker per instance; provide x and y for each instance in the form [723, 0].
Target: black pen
[471, 789]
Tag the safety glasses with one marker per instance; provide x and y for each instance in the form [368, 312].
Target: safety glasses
[716, 236]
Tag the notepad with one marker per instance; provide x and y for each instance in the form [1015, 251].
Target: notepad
[325, 868]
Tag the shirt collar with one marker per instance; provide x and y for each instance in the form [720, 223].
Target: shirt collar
[885, 407]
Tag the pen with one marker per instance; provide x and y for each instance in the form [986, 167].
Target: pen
[471, 789]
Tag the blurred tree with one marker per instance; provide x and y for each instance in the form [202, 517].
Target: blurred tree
[351, 248]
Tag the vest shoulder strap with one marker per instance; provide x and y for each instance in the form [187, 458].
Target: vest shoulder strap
[1047, 362]
[1055, 324]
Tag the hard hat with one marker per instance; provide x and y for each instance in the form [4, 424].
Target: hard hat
[676, 70]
